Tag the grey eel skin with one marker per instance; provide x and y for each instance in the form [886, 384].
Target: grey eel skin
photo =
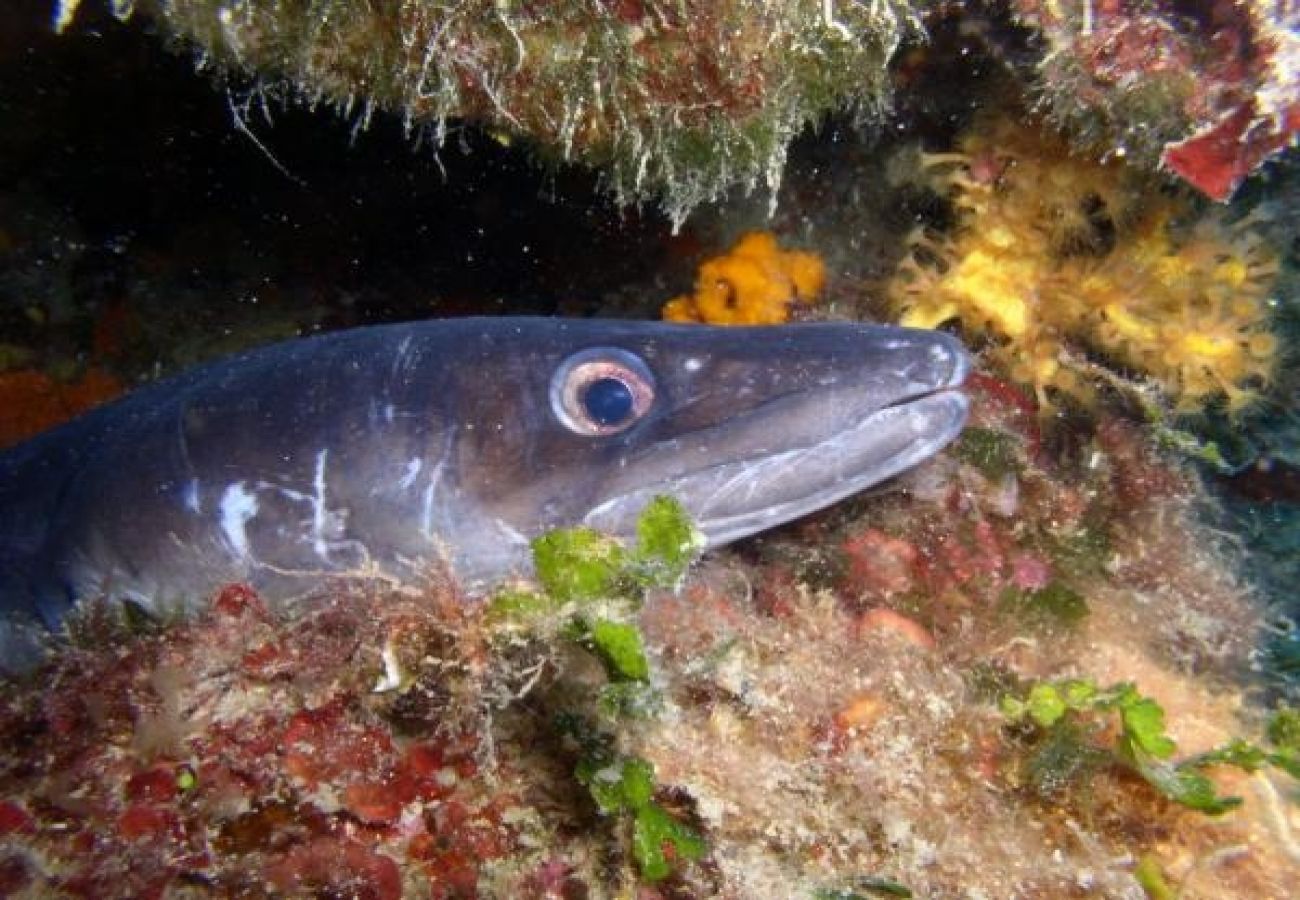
[393, 449]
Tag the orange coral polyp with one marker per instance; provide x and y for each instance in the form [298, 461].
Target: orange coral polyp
[755, 283]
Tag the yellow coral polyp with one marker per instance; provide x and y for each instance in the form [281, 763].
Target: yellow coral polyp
[754, 283]
[1205, 346]
[1128, 326]
[929, 315]
[994, 289]
[1232, 272]
[1030, 267]
[1261, 346]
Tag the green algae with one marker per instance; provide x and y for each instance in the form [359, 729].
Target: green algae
[1283, 732]
[1072, 717]
[655, 833]
[620, 647]
[989, 682]
[1151, 877]
[522, 606]
[995, 453]
[617, 785]
[579, 564]
[624, 787]
[865, 887]
[596, 586]
[1284, 729]
[1071, 712]
[1080, 553]
[1056, 605]
[667, 542]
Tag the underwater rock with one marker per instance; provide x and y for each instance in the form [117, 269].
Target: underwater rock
[677, 101]
[1209, 91]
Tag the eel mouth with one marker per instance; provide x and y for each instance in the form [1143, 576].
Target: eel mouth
[803, 452]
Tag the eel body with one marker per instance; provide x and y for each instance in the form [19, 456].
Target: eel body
[391, 449]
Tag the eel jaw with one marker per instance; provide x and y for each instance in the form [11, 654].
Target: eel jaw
[734, 499]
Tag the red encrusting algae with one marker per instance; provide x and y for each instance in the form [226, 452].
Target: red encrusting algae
[31, 401]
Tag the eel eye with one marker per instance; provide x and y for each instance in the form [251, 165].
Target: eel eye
[601, 391]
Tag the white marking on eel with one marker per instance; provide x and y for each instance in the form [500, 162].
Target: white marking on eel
[431, 489]
[318, 508]
[413, 467]
[238, 507]
[191, 496]
[426, 509]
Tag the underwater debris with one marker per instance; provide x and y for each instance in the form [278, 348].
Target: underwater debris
[676, 101]
[1056, 256]
[753, 283]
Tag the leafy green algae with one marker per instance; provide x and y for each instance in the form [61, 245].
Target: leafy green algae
[1151, 877]
[1070, 719]
[620, 648]
[666, 541]
[597, 585]
[654, 834]
[624, 787]
[1284, 730]
[579, 564]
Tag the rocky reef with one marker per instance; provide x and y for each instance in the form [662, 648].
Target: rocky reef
[1207, 90]
[680, 101]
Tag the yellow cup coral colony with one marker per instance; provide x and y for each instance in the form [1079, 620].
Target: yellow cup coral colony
[1055, 256]
[754, 283]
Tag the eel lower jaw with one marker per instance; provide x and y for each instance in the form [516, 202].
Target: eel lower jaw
[734, 499]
